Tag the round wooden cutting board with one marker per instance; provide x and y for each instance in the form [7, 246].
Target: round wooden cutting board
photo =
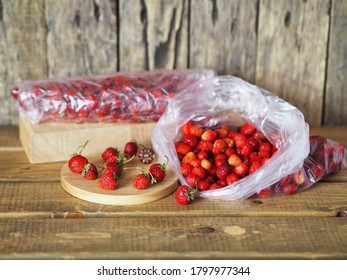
[125, 194]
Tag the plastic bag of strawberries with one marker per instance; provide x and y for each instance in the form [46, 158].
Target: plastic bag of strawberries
[138, 96]
[231, 140]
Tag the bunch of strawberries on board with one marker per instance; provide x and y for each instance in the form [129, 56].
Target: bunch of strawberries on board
[114, 163]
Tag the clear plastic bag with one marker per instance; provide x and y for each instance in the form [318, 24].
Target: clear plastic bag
[230, 100]
[139, 96]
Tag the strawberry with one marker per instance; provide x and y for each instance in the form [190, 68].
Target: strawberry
[202, 155]
[240, 140]
[158, 171]
[192, 180]
[209, 135]
[77, 162]
[199, 171]
[203, 185]
[189, 157]
[196, 131]
[108, 182]
[266, 147]
[90, 171]
[247, 129]
[289, 189]
[183, 148]
[109, 152]
[184, 195]
[241, 169]
[141, 181]
[222, 132]
[232, 178]
[112, 167]
[185, 127]
[146, 155]
[254, 167]
[223, 171]
[206, 164]
[186, 169]
[196, 163]
[190, 140]
[299, 177]
[215, 186]
[265, 192]
[205, 146]
[219, 146]
[130, 148]
[234, 160]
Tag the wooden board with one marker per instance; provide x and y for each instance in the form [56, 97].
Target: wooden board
[52, 142]
[291, 52]
[125, 194]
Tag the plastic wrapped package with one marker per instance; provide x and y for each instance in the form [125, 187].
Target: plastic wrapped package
[232, 101]
[139, 96]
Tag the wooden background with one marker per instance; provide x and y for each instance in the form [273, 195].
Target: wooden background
[295, 48]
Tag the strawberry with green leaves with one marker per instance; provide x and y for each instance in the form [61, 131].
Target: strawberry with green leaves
[184, 194]
[77, 162]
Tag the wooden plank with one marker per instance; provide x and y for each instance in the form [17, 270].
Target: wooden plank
[9, 138]
[22, 50]
[223, 36]
[153, 34]
[81, 37]
[49, 200]
[336, 99]
[291, 52]
[15, 167]
[174, 238]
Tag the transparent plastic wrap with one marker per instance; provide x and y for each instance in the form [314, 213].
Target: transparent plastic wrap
[232, 101]
[138, 96]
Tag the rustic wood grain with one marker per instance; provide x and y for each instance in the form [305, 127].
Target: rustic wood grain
[335, 103]
[153, 34]
[22, 50]
[223, 36]
[81, 37]
[174, 238]
[291, 52]
[49, 200]
[9, 138]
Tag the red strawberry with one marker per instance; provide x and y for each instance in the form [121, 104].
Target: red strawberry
[203, 185]
[182, 148]
[223, 171]
[247, 129]
[202, 155]
[232, 178]
[205, 146]
[184, 195]
[215, 186]
[241, 169]
[112, 167]
[199, 171]
[206, 164]
[146, 155]
[158, 171]
[90, 171]
[266, 147]
[141, 181]
[254, 167]
[185, 127]
[265, 192]
[240, 140]
[130, 148]
[186, 168]
[196, 131]
[192, 180]
[108, 182]
[219, 146]
[190, 140]
[110, 152]
[209, 135]
[189, 157]
[77, 162]
[289, 189]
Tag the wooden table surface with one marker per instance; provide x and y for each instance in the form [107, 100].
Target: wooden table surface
[39, 220]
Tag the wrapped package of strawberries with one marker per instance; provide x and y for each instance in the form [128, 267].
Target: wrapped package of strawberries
[232, 140]
[138, 96]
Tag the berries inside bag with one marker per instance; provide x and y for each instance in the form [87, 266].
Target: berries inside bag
[293, 165]
[125, 96]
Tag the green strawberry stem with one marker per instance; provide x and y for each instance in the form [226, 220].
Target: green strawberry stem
[78, 152]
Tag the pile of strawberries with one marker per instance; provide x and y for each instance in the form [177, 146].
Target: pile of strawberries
[214, 158]
[131, 97]
[114, 163]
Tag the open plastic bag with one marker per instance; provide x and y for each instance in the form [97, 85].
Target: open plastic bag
[232, 101]
[139, 96]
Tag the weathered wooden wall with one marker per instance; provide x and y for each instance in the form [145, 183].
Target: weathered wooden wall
[294, 48]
